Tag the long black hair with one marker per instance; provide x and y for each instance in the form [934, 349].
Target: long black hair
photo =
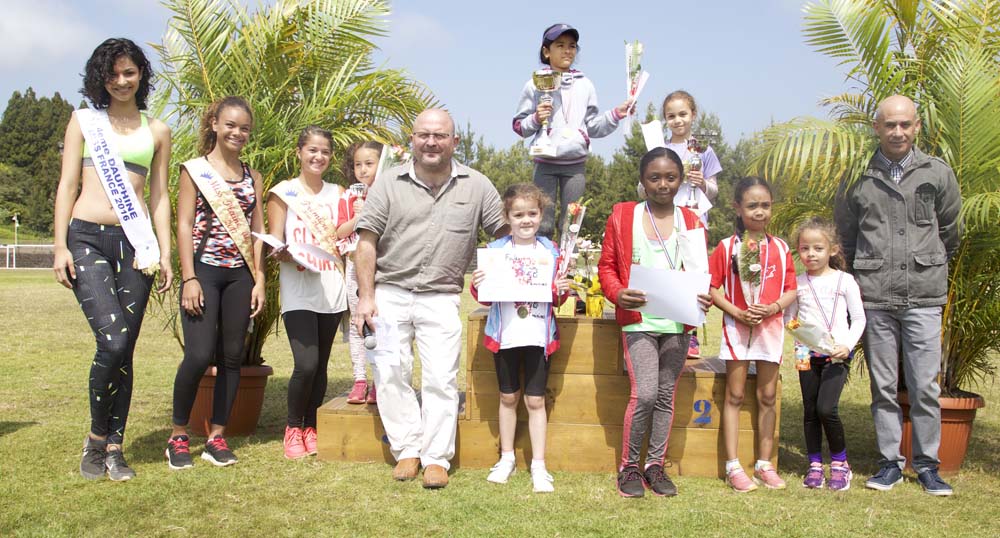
[100, 69]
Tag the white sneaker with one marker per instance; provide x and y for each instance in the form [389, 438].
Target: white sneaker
[541, 481]
[500, 472]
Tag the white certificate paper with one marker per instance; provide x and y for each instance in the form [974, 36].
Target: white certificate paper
[386, 352]
[304, 254]
[516, 274]
[671, 294]
[652, 134]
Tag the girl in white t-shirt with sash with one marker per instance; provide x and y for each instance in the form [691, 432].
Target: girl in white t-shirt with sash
[303, 210]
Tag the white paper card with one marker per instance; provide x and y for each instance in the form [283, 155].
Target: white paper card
[671, 294]
[304, 254]
[386, 352]
[515, 274]
[652, 134]
[693, 249]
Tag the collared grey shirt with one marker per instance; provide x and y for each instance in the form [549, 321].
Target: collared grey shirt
[425, 241]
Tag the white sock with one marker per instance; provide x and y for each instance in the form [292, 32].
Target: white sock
[537, 464]
[761, 464]
[507, 456]
[732, 465]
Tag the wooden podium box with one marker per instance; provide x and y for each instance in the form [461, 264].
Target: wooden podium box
[586, 396]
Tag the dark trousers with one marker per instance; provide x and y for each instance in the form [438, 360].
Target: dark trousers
[218, 333]
[311, 336]
[113, 296]
[821, 386]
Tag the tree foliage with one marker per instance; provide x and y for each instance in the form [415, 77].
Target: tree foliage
[297, 63]
[31, 132]
[946, 56]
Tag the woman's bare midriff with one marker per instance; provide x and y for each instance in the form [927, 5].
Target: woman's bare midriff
[93, 204]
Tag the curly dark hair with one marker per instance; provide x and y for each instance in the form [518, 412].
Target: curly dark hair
[101, 68]
[347, 166]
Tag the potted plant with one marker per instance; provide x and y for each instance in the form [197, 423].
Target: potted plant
[319, 70]
[945, 56]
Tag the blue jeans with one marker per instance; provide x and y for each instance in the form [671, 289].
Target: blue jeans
[914, 334]
[113, 296]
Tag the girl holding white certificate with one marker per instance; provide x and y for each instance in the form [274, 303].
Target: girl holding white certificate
[304, 210]
[105, 247]
[222, 273]
[647, 234]
[523, 334]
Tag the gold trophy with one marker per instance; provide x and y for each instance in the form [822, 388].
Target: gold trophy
[545, 81]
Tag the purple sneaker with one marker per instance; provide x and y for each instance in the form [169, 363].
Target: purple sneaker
[814, 477]
[840, 477]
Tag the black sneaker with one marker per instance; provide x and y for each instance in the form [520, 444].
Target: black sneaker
[656, 480]
[886, 477]
[179, 453]
[118, 469]
[217, 452]
[630, 482]
[933, 484]
[92, 463]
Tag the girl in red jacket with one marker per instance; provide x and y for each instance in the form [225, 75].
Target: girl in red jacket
[646, 234]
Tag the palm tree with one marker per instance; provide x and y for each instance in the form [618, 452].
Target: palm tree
[945, 54]
[297, 62]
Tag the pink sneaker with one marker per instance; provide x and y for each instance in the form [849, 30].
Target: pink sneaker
[739, 481]
[294, 449]
[309, 436]
[371, 395]
[768, 477]
[358, 392]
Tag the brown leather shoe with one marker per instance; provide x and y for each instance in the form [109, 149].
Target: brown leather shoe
[435, 477]
[406, 469]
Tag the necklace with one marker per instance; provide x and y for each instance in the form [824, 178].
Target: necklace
[670, 261]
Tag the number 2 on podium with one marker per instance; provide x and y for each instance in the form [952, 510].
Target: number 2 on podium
[705, 408]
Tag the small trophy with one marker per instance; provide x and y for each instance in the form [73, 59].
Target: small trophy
[546, 81]
[693, 163]
[358, 190]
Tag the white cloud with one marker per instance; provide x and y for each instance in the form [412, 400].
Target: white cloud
[42, 32]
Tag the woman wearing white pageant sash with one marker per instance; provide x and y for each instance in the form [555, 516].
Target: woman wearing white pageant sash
[105, 247]
[222, 273]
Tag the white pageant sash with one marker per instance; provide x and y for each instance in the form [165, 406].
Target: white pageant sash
[225, 205]
[309, 211]
[114, 178]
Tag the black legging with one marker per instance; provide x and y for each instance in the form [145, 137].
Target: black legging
[311, 336]
[226, 313]
[821, 388]
[113, 297]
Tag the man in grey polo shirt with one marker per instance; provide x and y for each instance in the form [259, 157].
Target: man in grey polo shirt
[899, 226]
[418, 231]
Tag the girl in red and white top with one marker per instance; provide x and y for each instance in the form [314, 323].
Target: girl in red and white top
[757, 274]
[312, 299]
[360, 166]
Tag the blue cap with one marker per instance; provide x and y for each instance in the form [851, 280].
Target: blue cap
[553, 32]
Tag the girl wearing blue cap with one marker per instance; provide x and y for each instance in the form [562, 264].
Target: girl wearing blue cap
[573, 119]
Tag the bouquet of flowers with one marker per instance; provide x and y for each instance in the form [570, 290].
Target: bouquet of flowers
[815, 337]
[749, 268]
[635, 77]
[570, 232]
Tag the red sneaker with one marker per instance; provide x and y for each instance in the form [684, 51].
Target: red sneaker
[694, 350]
[358, 392]
[309, 436]
[371, 395]
[294, 449]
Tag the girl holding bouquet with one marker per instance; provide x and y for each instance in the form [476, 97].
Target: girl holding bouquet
[757, 274]
[572, 117]
[826, 297]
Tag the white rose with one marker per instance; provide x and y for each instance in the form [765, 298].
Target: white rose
[755, 267]
[574, 228]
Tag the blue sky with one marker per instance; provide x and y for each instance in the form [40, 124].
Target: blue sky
[745, 61]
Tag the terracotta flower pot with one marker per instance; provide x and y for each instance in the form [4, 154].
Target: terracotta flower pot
[246, 409]
[957, 415]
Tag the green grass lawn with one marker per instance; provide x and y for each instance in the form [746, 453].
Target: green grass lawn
[24, 236]
[45, 354]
